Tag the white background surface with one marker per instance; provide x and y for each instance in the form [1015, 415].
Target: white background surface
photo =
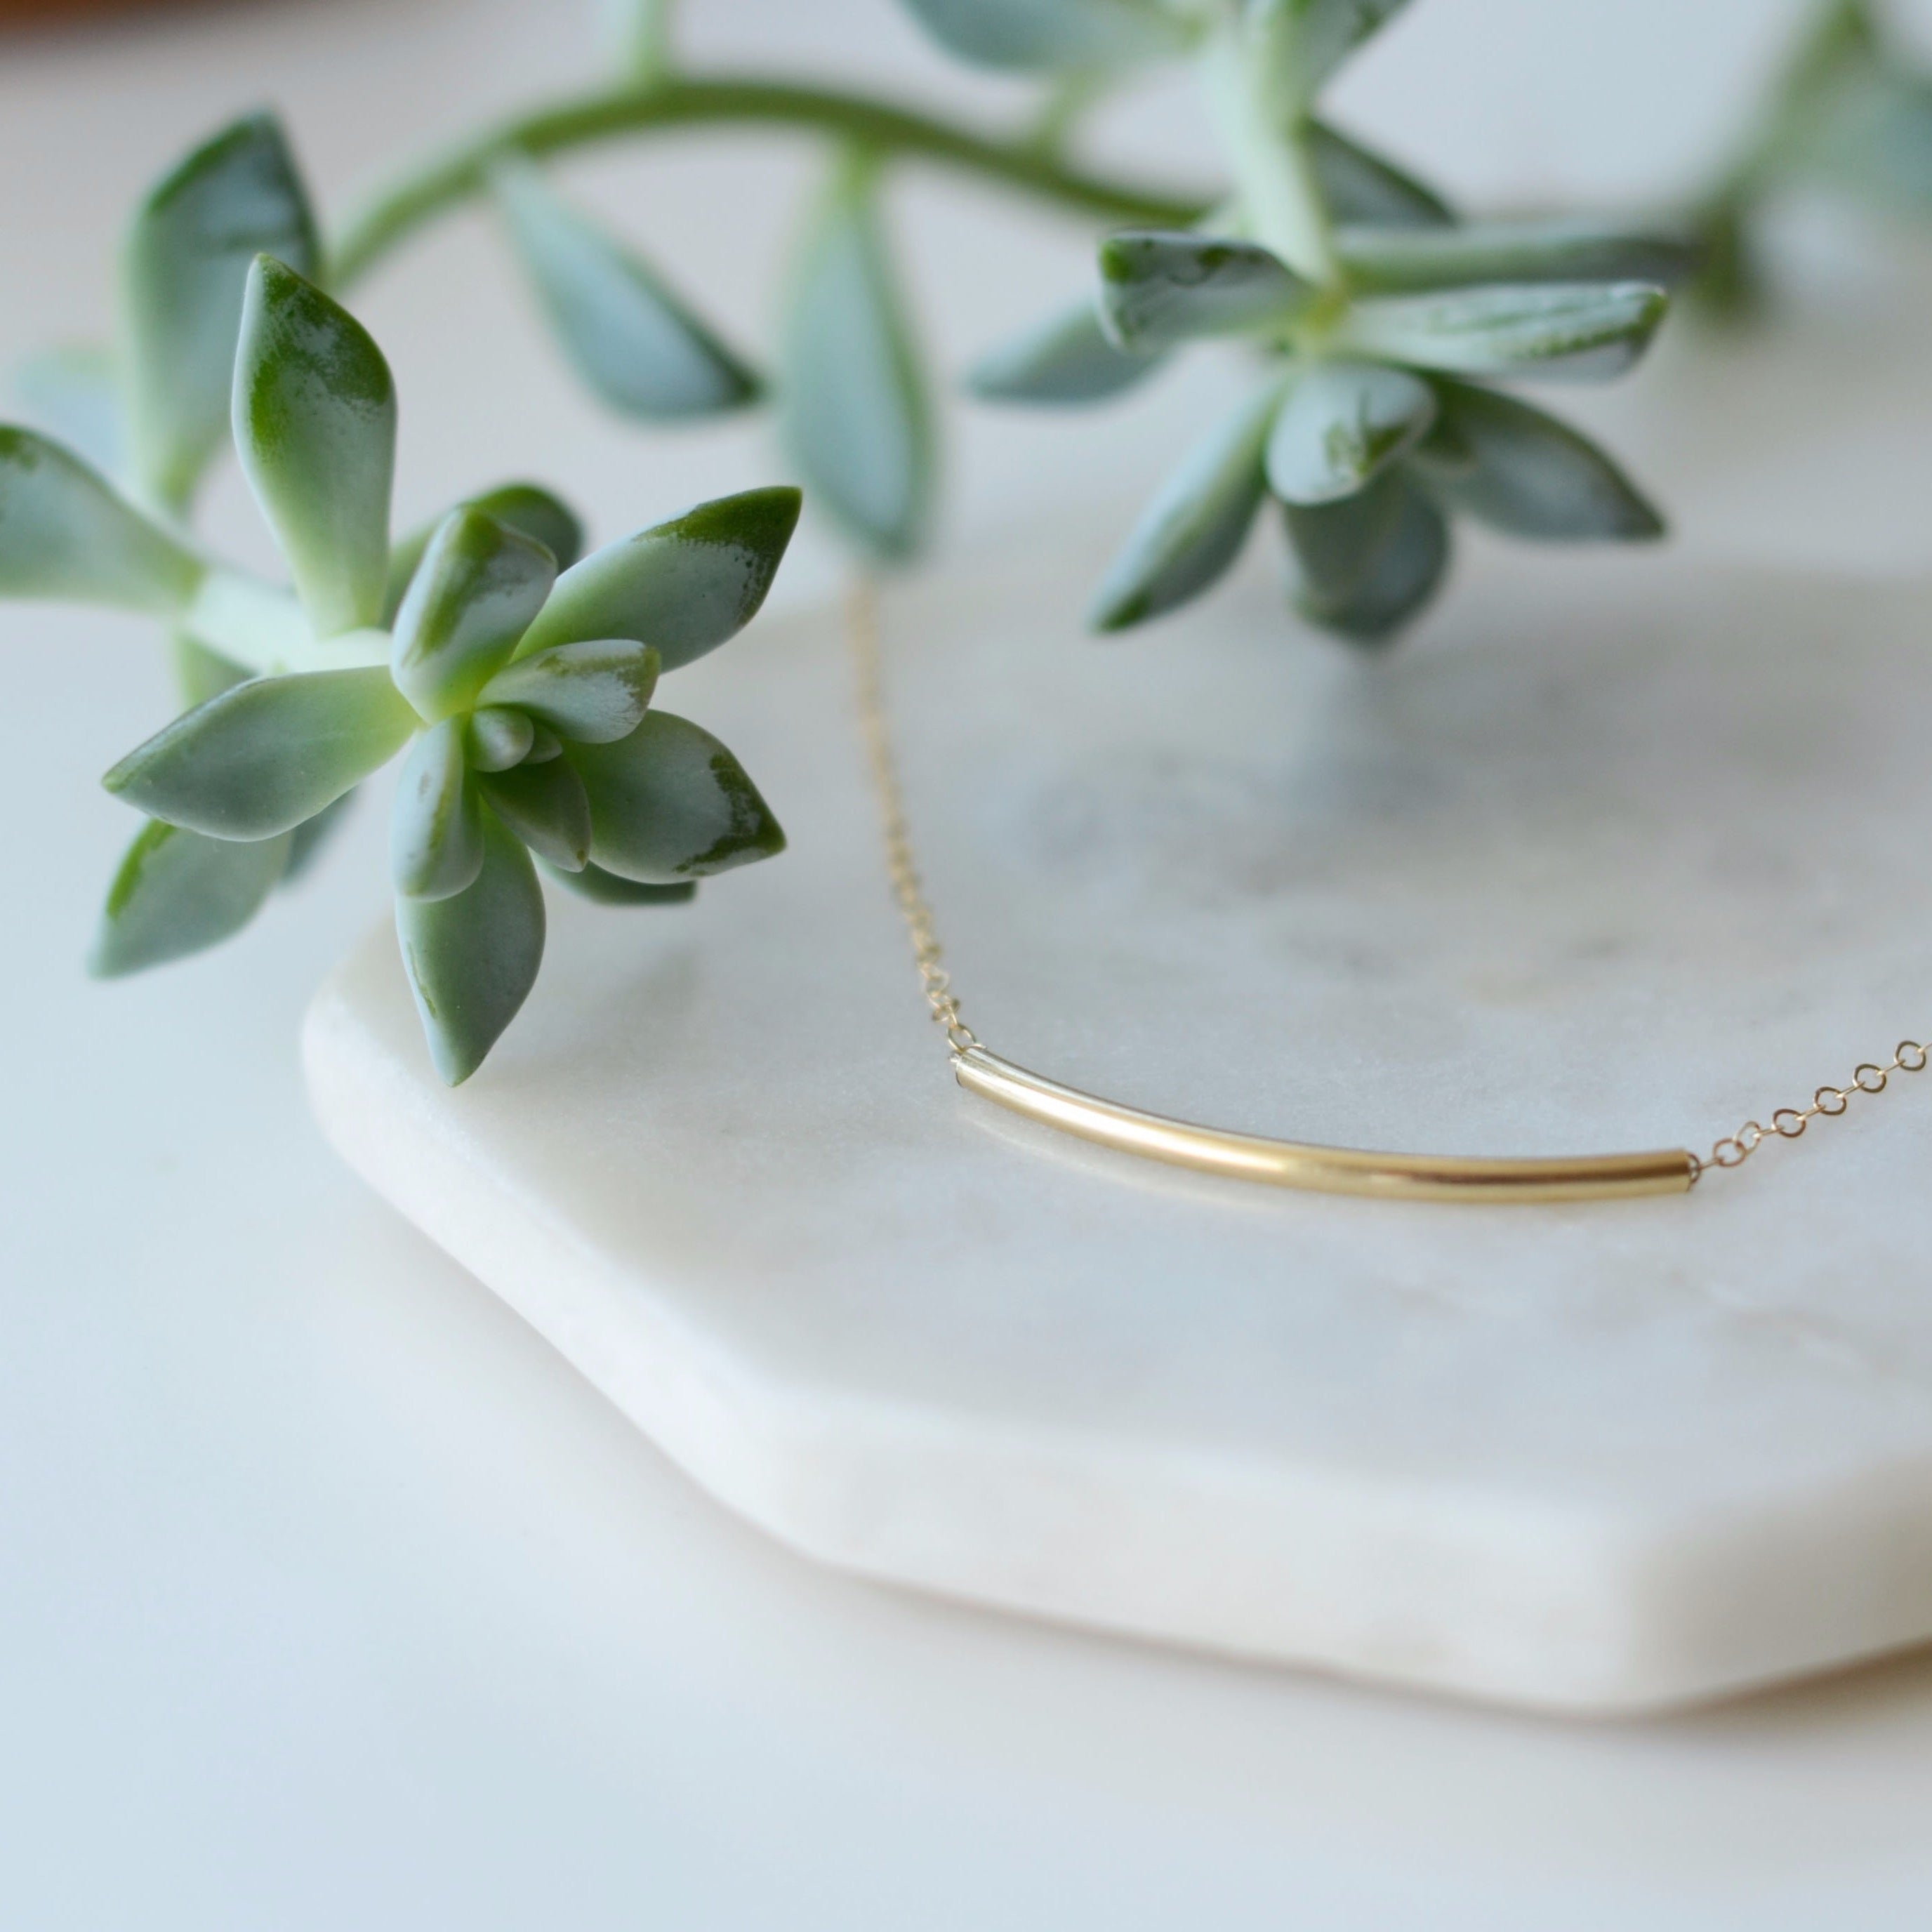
[328, 1595]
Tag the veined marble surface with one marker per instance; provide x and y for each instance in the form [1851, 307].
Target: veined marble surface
[1615, 853]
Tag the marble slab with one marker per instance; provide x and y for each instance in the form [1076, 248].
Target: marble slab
[1616, 852]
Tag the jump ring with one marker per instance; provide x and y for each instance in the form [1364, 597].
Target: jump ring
[1796, 1120]
[1831, 1101]
[1874, 1085]
[1757, 1139]
[1910, 1057]
[1729, 1152]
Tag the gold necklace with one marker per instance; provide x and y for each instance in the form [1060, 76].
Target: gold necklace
[1279, 1163]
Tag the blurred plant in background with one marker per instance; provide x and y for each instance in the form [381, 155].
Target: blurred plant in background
[516, 679]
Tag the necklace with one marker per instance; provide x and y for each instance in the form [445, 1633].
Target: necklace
[1243, 1156]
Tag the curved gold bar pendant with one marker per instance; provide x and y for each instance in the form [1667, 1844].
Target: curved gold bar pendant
[1326, 1170]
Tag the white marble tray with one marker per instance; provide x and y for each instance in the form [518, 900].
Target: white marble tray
[1616, 854]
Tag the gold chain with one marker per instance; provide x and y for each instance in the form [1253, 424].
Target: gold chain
[862, 628]
[861, 618]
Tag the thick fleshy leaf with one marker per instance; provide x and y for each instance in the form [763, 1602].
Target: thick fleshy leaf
[682, 587]
[1383, 261]
[1365, 566]
[631, 338]
[1363, 187]
[1519, 470]
[670, 802]
[1158, 288]
[261, 758]
[523, 506]
[201, 673]
[1066, 359]
[856, 416]
[315, 424]
[1047, 35]
[183, 268]
[472, 959]
[1581, 331]
[436, 822]
[1341, 423]
[603, 888]
[179, 892]
[64, 533]
[1299, 44]
[546, 806]
[497, 739]
[1195, 525]
[479, 587]
[74, 393]
[593, 693]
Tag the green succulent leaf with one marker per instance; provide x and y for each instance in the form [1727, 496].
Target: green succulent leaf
[631, 338]
[315, 423]
[682, 587]
[1580, 331]
[499, 738]
[1383, 261]
[857, 416]
[1066, 359]
[260, 758]
[178, 892]
[545, 745]
[311, 838]
[1517, 469]
[64, 533]
[1033, 35]
[436, 823]
[547, 807]
[72, 391]
[1359, 186]
[603, 888]
[478, 589]
[201, 672]
[593, 693]
[1365, 566]
[183, 269]
[1299, 44]
[1341, 423]
[472, 959]
[523, 506]
[670, 802]
[1195, 525]
[1159, 289]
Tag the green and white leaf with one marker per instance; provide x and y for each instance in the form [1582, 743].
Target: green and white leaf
[1363, 566]
[1066, 359]
[1383, 261]
[1362, 188]
[498, 739]
[523, 506]
[184, 266]
[856, 416]
[1580, 331]
[315, 424]
[1048, 35]
[683, 587]
[64, 533]
[1194, 527]
[436, 822]
[1298, 44]
[74, 393]
[603, 888]
[1158, 288]
[593, 693]
[178, 892]
[670, 802]
[547, 807]
[637, 343]
[1341, 423]
[262, 757]
[472, 959]
[1519, 470]
[478, 589]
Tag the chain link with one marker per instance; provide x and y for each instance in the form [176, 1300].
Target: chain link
[1789, 1124]
[862, 626]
